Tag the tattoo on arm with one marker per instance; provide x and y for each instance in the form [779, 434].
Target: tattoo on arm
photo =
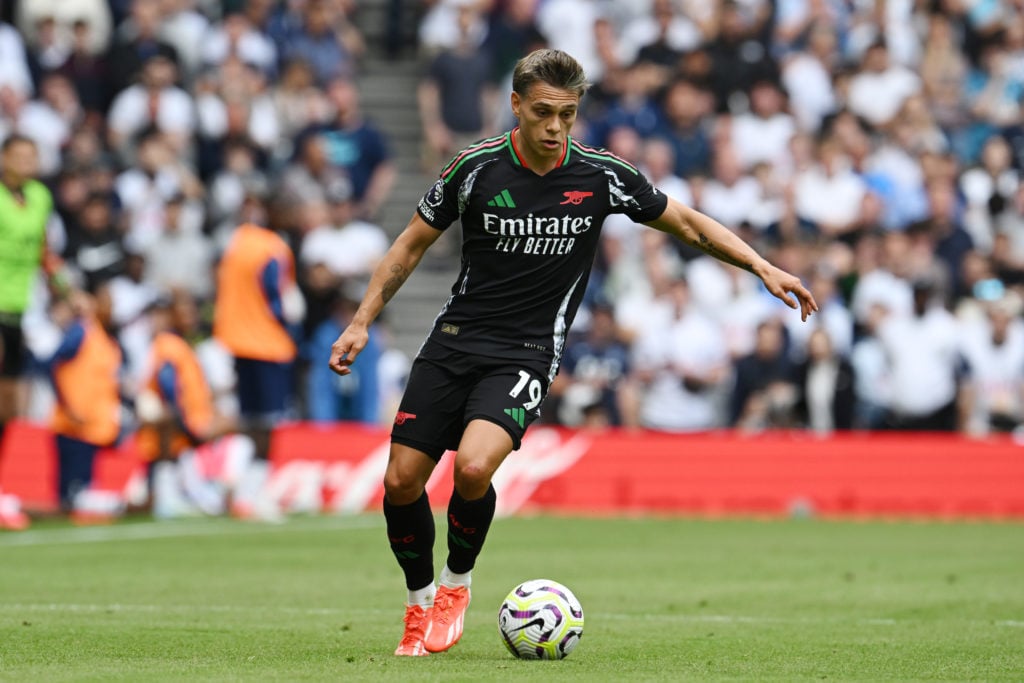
[709, 248]
[399, 274]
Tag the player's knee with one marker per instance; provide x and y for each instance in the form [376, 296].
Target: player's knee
[472, 479]
[400, 488]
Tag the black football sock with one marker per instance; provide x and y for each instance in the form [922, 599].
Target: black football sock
[468, 522]
[411, 534]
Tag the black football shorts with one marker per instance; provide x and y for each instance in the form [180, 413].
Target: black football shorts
[12, 348]
[447, 389]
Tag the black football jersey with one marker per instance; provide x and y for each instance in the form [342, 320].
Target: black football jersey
[528, 242]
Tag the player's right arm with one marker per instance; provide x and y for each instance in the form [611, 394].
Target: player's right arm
[392, 271]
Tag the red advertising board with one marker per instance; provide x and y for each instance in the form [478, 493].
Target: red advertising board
[339, 468]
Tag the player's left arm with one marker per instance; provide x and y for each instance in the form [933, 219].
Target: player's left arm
[714, 239]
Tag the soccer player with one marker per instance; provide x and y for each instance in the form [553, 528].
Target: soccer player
[532, 202]
[257, 300]
[25, 208]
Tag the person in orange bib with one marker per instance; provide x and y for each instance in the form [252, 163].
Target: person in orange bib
[85, 373]
[257, 299]
[175, 407]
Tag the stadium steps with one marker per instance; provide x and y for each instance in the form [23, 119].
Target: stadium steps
[388, 95]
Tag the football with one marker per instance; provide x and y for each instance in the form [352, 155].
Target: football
[540, 619]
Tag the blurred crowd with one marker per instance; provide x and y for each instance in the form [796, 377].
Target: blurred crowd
[874, 148]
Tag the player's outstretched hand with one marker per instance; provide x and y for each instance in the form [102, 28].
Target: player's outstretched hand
[782, 284]
[347, 347]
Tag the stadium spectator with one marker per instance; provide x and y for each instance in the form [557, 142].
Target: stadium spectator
[883, 274]
[943, 69]
[145, 189]
[993, 89]
[733, 301]
[924, 363]
[88, 72]
[730, 195]
[833, 315]
[46, 51]
[136, 41]
[631, 106]
[832, 196]
[186, 29]
[355, 397]
[65, 16]
[807, 76]
[993, 349]
[154, 102]
[1008, 251]
[349, 247]
[180, 257]
[825, 387]
[879, 88]
[764, 390]
[354, 145]
[739, 53]
[871, 372]
[325, 39]
[95, 247]
[513, 27]
[455, 96]
[257, 301]
[234, 106]
[680, 362]
[439, 27]
[762, 135]
[641, 291]
[307, 177]
[945, 236]
[236, 37]
[85, 371]
[571, 26]
[988, 189]
[238, 177]
[595, 376]
[797, 20]
[298, 101]
[50, 120]
[659, 37]
[14, 72]
[687, 106]
[892, 172]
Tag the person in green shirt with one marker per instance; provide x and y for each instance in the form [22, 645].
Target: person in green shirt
[25, 208]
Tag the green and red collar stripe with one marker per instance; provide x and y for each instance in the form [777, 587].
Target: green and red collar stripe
[602, 154]
[518, 158]
[482, 147]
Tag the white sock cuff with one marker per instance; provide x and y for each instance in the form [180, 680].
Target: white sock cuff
[453, 580]
[424, 597]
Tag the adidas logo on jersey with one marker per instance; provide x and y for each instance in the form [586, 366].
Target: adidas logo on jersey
[502, 199]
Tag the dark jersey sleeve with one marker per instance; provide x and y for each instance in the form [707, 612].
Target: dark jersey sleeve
[439, 207]
[641, 201]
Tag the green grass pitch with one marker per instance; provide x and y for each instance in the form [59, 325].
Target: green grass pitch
[320, 599]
